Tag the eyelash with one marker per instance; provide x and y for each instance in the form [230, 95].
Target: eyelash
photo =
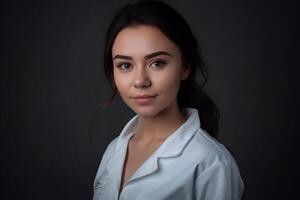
[159, 67]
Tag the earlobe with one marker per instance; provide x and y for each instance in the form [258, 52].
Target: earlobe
[185, 73]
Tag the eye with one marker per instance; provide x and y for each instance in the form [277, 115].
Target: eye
[158, 63]
[124, 66]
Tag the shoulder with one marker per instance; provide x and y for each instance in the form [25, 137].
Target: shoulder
[106, 156]
[111, 146]
[208, 151]
[216, 170]
[108, 151]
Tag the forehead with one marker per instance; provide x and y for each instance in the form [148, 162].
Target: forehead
[142, 39]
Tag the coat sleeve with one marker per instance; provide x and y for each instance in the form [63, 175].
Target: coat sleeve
[220, 181]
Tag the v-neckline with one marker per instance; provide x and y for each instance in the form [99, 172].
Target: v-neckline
[121, 185]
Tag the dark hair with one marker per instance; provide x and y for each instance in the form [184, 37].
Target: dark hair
[174, 26]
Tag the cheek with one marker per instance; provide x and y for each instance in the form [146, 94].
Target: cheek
[168, 82]
[121, 83]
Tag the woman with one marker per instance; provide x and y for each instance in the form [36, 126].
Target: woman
[168, 150]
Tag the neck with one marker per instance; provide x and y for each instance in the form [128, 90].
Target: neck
[160, 126]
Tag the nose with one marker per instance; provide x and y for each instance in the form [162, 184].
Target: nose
[141, 78]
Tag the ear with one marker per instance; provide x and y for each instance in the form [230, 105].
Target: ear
[185, 72]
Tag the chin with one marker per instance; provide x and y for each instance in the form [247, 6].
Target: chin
[146, 111]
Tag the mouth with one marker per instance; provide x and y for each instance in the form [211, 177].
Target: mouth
[144, 96]
[144, 99]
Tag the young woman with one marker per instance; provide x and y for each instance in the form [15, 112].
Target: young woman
[168, 150]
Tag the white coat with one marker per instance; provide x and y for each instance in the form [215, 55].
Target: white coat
[188, 165]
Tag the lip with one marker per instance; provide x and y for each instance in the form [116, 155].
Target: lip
[144, 96]
[144, 99]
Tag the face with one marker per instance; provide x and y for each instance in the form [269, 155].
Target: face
[146, 62]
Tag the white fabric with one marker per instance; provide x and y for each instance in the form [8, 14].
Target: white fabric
[188, 165]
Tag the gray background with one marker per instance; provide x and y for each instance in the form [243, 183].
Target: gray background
[52, 137]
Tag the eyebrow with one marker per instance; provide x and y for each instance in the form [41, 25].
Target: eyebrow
[146, 57]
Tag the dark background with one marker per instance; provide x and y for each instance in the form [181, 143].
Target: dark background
[52, 137]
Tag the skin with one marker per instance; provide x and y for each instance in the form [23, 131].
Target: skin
[138, 76]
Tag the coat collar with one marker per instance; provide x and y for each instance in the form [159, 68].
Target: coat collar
[171, 147]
